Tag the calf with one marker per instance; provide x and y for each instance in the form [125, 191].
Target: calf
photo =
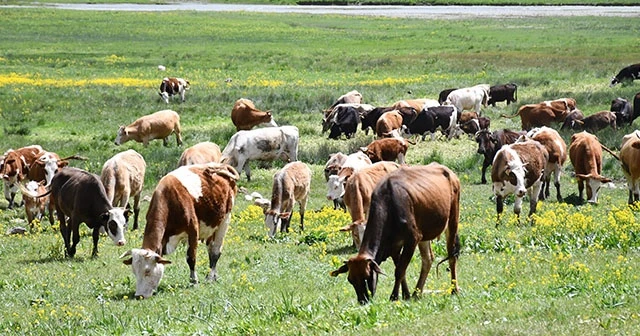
[518, 169]
[266, 144]
[246, 116]
[504, 92]
[630, 159]
[585, 153]
[623, 110]
[15, 168]
[409, 207]
[629, 73]
[158, 125]
[193, 203]
[489, 144]
[203, 152]
[173, 86]
[334, 164]
[80, 196]
[346, 122]
[571, 118]
[387, 149]
[557, 150]
[597, 122]
[123, 178]
[34, 206]
[291, 184]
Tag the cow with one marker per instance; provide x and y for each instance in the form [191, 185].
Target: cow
[173, 86]
[266, 144]
[630, 160]
[47, 164]
[15, 168]
[475, 125]
[442, 96]
[370, 119]
[623, 110]
[387, 149]
[203, 152]
[469, 98]
[557, 150]
[388, 122]
[351, 97]
[489, 144]
[357, 196]
[544, 113]
[353, 163]
[464, 117]
[346, 122]
[503, 92]
[194, 203]
[518, 169]
[123, 178]
[290, 184]
[409, 207]
[416, 104]
[585, 153]
[34, 206]
[80, 196]
[571, 118]
[331, 115]
[636, 107]
[333, 165]
[596, 122]
[434, 118]
[158, 125]
[246, 116]
[629, 73]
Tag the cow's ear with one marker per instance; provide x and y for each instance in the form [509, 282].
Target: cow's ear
[127, 261]
[161, 260]
[375, 267]
[342, 269]
[364, 149]
[284, 214]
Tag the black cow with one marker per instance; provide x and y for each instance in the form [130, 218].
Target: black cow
[444, 94]
[623, 110]
[629, 73]
[434, 117]
[346, 122]
[636, 107]
[489, 144]
[498, 93]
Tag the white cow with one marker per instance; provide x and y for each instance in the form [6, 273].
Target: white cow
[266, 144]
[354, 162]
[469, 98]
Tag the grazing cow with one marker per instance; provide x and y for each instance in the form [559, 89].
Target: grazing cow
[331, 115]
[630, 159]
[246, 116]
[266, 144]
[16, 168]
[158, 125]
[571, 118]
[346, 122]
[434, 118]
[194, 203]
[409, 207]
[123, 178]
[357, 195]
[416, 104]
[388, 122]
[475, 125]
[291, 184]
[489, 144]
[387, 149]
[332, 167]
[630, 73]
[34, 206]
[623, 110]
[464, 117]
[585, 152]
[596, 122]
[557, 150]
[518, 169]
[469, 98]
[173, 86]
[353, 163]
[203, 152]
[504, 92]
[80, 196]
[351, 97]
[370, 119]
[544, 113]
[442, 96]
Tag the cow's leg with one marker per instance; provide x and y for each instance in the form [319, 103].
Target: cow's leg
[75, 236]
[533, 198]
[426, 253]
[165, 141]
[395, 255]
[178, 132]
[499, 205]
[401, 269]
[401, 159]
[215, 247]
[483, 180]
[580, 190]
[247, 170]
[182, 95]
[136, 210]
[631, 196]
[453, 249]
[303, 207]
[556, 175]
[64, 231]
[191, 251]
[95, 236]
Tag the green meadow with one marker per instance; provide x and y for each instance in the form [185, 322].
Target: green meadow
[68, 79]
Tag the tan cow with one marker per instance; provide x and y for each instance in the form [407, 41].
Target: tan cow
[194, 203]
[557, 150]
[585, 152]
[158, 125]
[290, 184]
[417, 104]
[351, 97]
[630, 159]
[387, 149]
[203, 152]
[123, 178]
[246, 116]
[16, 168]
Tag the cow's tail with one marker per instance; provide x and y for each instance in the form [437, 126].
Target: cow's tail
[610, 152]
[75, 157]
[511, 116]
[45, 194]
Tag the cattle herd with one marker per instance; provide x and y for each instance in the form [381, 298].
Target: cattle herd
[394, 207]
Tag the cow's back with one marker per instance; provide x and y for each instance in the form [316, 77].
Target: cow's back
[585, 153]
[160, 124]
[78, 192]
[202, 152]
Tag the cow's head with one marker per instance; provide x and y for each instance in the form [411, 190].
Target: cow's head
[486, 142]
[50, 165]
[335, 187]
[362, 272]
[594, 183]
[114, 222]
[165, 96]
[148, 268]
[614, 81]
[511, 180]
[122, 136]
[273, 220]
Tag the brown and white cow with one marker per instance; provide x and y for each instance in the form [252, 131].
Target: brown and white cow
[47, 164]
[596, 122]
[16, 168]
[585, 152]
[194, 203]
[246, 116]
[80, 196]
[34, 206]
[630, 159]
[557, 150]
[518, 169]
[388, 122]
[489, 144]
[123, 178]
[203, 152]
[409, 207]
[173, 86]
[357, 196]
[387, 149]
[290, 184]
[158, 125]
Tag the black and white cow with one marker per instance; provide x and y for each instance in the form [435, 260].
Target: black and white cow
[630, 73]
[433, 118]
[173, 86]
[346, 122]
[498, 93]
[442, 96]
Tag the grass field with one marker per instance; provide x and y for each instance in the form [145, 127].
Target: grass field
[368, 2]
[69, 79]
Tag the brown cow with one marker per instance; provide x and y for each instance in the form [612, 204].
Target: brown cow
[357, 196]
[194, 203]
[387, 149]
[123, 177]
[597, 122]
[388, 122]
[246, 116]
[557, 150]
[571, 118]
[203, 152]
[409, 207]
[47, 164]
[158, 125]
[291, 184]
[585, 153]
[630, 159]
[544, 113]
[16, 168]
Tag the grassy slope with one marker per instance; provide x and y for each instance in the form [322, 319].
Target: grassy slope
[569, 274]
